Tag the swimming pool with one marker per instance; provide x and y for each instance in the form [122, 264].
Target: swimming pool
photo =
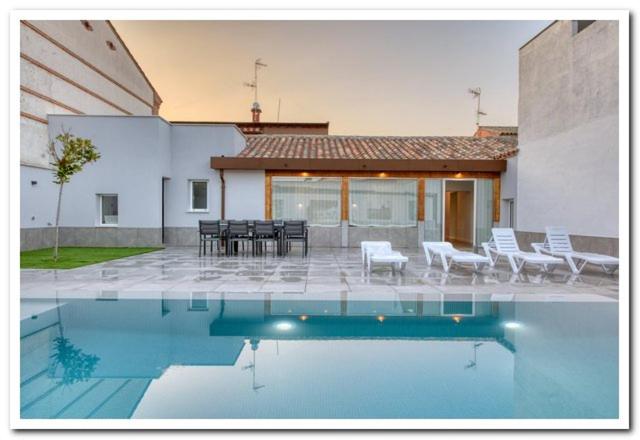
[416, 357]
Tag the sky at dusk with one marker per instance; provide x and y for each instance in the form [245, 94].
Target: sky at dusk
[365, 77]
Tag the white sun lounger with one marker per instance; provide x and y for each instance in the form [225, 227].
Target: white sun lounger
[558, 244]
[449, 255]
[364, 247]
[381, 253]
[504, 244]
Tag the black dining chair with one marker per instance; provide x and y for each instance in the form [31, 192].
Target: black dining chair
[295, 231]
[237, 232]
[264, 232]
[209, 231]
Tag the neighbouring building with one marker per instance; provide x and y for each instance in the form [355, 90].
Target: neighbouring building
[75, 67]
[567, 167]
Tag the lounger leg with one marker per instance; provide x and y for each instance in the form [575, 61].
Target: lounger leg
[610, 271]
[514, 265]
[428, 255]
[445, 263]
[487, 252]
[582, 265]
[572, 264]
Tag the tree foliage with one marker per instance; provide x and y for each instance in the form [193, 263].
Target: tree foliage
[76, 152]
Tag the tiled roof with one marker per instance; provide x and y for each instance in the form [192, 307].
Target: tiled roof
[380, 147]
[501, 130]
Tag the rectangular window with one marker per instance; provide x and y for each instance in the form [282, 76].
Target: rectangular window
[198, 190]
[314, 199]
[510, 211]
[383, 202]
[108, 206]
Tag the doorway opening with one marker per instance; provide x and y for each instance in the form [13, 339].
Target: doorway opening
[459, 213]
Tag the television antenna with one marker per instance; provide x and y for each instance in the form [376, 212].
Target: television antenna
[257, 64]
[476, 93]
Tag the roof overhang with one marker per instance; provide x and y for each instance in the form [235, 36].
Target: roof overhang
[254, 163]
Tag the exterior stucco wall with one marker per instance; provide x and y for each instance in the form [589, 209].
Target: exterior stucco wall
[567, 171]
[131, 166]
[137, 153]
[508, 191]
[244, 194]
[191, 148]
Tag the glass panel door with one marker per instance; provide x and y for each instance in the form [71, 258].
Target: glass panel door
[484, 210]
[433, 210]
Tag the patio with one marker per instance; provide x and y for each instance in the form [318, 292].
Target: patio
[323, 274]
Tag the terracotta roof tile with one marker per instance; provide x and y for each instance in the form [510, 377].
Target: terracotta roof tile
[380, 147]
[501, 130]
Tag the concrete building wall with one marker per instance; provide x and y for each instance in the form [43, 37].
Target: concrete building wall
[567, 172]
[67, 69]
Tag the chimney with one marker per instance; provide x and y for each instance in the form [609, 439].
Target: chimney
[255, 112]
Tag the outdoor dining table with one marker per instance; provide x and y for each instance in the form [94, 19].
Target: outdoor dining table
[278, 226]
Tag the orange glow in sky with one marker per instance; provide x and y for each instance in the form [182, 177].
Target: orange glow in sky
[367, 78]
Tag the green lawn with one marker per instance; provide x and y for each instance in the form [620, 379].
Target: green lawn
[72, 257]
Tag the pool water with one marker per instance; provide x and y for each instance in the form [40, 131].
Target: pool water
[200, 357]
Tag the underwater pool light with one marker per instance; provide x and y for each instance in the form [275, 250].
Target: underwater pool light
[512, 325]
[284, 326]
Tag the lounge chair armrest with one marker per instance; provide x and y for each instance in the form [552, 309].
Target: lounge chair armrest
[538, 247]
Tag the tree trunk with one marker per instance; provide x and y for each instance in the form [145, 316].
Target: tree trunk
[55, 248]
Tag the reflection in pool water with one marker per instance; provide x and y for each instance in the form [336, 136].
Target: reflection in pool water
[413, 358]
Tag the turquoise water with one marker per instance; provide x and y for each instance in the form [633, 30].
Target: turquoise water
[216, 358]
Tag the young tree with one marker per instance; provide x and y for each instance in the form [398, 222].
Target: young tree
[68, 159]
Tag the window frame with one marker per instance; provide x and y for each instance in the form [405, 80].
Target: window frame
[100, 223]
[351, 203]
[190, 207]
[277, 179]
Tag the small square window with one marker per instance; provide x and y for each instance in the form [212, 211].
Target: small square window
[580, 25]
[198, 195]
[108, 205]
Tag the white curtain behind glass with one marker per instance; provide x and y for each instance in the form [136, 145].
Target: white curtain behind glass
[314, 199]
[382, 202]
[484, 210]
[433, 210]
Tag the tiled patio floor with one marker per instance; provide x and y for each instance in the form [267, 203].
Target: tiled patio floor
[325, 273]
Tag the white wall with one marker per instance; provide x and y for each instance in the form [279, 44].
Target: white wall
[131, 165]
[245, 194]
[137, 152]
[567, 172]
[192, 146]
[577, 187]
[508, 190]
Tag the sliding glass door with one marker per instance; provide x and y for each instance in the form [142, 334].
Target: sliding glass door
[433, 210]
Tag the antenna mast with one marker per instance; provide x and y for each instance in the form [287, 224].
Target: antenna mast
[257, 64]
[476, 93]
